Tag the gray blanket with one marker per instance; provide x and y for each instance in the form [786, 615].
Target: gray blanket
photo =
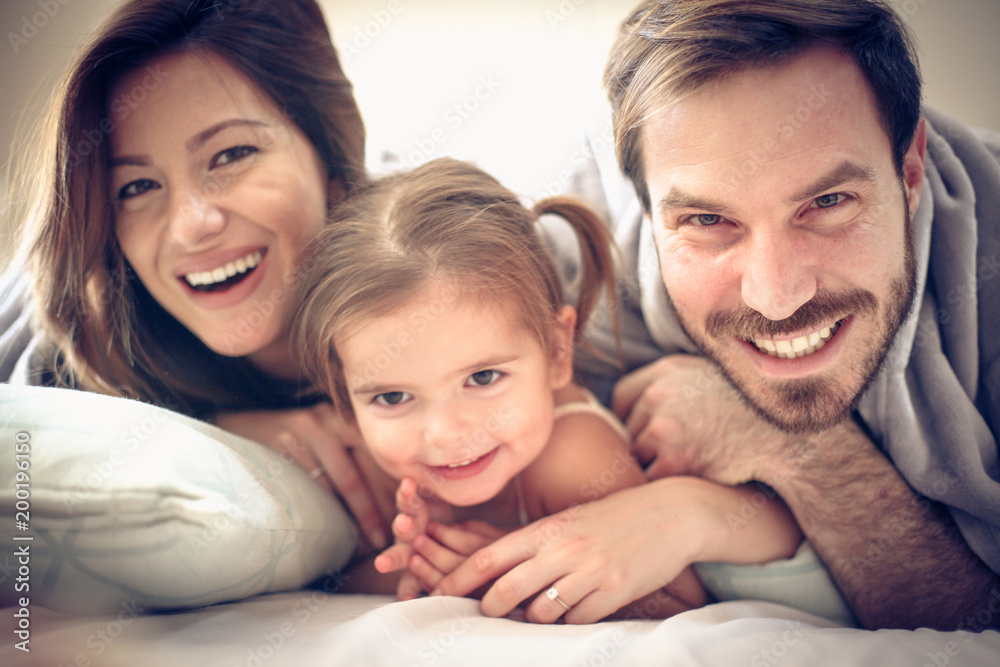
[935, 407]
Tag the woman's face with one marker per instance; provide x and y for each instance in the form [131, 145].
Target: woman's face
[215, 192]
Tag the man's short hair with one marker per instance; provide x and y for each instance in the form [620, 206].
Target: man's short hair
[668, 49]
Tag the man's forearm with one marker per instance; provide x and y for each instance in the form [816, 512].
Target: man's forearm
[898, 558]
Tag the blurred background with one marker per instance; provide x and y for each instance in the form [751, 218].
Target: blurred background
[509, 84]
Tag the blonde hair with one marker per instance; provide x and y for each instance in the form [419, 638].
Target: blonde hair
[108, 334]
[668, 49]
[444, 221]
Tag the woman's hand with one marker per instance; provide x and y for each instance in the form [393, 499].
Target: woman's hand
[319, 441]
[599, 556]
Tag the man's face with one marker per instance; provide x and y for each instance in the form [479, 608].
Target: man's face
[781, 225]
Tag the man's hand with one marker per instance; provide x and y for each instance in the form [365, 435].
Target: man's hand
[686, 419]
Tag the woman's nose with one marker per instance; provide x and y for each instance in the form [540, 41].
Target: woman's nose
[194, 217]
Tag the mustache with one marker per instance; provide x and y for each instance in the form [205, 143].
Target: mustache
[825, 307]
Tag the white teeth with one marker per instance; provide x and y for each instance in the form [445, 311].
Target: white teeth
[796, 347]
[462, 464]
[241, 265]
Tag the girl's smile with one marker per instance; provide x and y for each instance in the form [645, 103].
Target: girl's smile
[461, 402]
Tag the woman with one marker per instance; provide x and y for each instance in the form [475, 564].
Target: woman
[193, 149]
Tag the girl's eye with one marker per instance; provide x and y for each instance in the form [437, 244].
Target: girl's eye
[826, 201]
[136, 188]
[483, 378]
[232, 155]
[390, 398]
[705, 219]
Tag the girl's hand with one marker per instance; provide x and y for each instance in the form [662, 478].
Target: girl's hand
[319, 441]
[443, 548]
[410, 524]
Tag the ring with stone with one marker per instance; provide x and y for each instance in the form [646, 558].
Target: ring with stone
[553, 594]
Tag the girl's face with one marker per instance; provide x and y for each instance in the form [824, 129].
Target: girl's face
[215, 193]
[454, 393]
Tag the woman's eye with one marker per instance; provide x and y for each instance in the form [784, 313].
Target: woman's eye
[483, 378]
[136, 188]
[232, 155]
[705, 219]
[391, 398]
[826, 201]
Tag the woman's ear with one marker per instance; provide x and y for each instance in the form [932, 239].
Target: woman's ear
[561, 353]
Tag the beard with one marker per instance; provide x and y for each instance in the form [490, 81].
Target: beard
[810, 405]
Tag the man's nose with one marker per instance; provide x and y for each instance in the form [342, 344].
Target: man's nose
[777, 276]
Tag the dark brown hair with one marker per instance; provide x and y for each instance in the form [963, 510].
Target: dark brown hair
[667, 49]
[87, 301]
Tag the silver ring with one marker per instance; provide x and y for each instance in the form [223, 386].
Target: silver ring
[553, 594]
[316, 472]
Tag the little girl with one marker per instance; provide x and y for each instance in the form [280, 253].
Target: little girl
[432, 314]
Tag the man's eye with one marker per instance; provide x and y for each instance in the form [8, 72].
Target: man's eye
[391, 398]
[232, 155]
[705, 219]
[826, 201]
[483, 378]
[136, 188]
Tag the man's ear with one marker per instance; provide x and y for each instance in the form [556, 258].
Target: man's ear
[913, 166]
[561, 353]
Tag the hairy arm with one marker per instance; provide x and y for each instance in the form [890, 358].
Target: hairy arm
[898, 559]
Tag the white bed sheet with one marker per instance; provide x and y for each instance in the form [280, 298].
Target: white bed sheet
[311, 628]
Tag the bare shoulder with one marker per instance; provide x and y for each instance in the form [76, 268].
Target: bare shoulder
[586, 458]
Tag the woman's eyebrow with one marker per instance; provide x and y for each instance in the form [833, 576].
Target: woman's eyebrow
[198, 140]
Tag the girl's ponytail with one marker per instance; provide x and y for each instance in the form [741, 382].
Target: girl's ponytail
[597, 259]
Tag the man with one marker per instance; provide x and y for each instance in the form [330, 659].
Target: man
[833, 253]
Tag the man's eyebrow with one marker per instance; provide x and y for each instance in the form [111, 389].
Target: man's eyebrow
[198, 140]
[845, 172]
[676, 198]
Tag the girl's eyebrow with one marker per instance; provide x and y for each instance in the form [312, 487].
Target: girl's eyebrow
[484, 364]
[489, 362]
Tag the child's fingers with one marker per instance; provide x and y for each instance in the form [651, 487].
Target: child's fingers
[425, 572]
[410, 503]
[482, 528]
[404, 528]
[436, 556]
[459, 540]
[393, 559]
[409, 587]
[408, 500]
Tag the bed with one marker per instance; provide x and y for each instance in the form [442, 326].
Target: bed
[311, 627]
[147, 510]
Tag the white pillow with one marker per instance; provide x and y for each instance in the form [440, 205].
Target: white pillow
[131, 504]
